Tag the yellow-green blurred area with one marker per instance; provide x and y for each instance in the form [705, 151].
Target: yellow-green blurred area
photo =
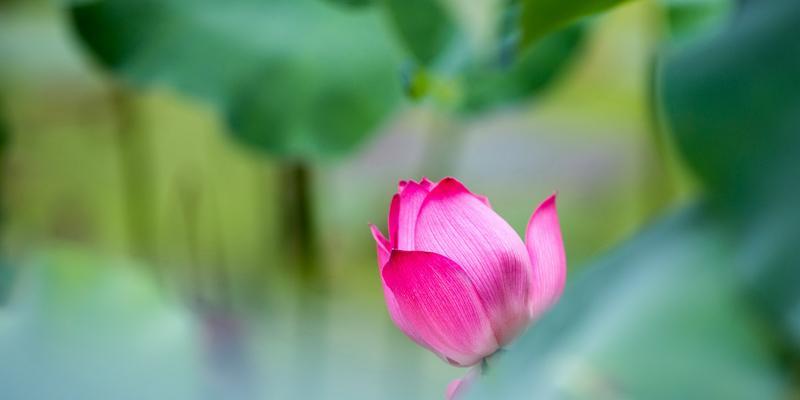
[148, 253]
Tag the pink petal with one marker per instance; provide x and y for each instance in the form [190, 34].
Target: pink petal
[454, 223]
[404, 212]
[440, 303]
[430, 185]
[427, 184]
[383, 245]
[484, 200]
[400, 321]
[458, 387]
[391, 302]
[546, 249]
[394, 215]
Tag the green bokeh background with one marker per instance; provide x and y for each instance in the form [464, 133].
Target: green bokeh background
[186, 188]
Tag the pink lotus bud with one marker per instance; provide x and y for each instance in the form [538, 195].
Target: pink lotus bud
[458, 280]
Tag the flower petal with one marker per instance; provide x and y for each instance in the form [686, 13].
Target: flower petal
[546, 249]
[383, 246]
[391, 303]
[456, 224]
[394, 214]
[483, 199]
[437, 299]
[400, 321]
[404, 212]
[458, 387]
[427, 184]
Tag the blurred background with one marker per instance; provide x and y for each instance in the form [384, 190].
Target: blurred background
[186, 188]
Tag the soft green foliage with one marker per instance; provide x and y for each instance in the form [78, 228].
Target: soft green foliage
[533, 70]
[456, 71]
[738, 94]
[425, 27]
[539, 17]
[297, 78]
[353, 3]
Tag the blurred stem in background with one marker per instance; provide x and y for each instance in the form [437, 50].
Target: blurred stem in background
[299, 227]
[4, 141]
[136, 166]
[299, 224]
[230, 366]
[5, 271]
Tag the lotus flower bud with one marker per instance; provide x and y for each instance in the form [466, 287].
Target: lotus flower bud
[457, 279]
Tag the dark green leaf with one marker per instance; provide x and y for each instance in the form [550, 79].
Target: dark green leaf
[297, 78]
[733, 104]
[540, 17]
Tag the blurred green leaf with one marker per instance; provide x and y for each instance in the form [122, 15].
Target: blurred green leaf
[532, 71]
[660, 318]
[733, 103]
[452, 71]
[540, 17]
[738, 94]
[297, 78]
[424, 26]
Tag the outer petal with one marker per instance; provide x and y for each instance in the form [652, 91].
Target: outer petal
[403, 215]
[391, 303]
[437, 299]
[454, 223]
[383, 246]
[546, 249]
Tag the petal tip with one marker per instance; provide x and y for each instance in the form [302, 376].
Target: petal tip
[550, 200]
[449, 185]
